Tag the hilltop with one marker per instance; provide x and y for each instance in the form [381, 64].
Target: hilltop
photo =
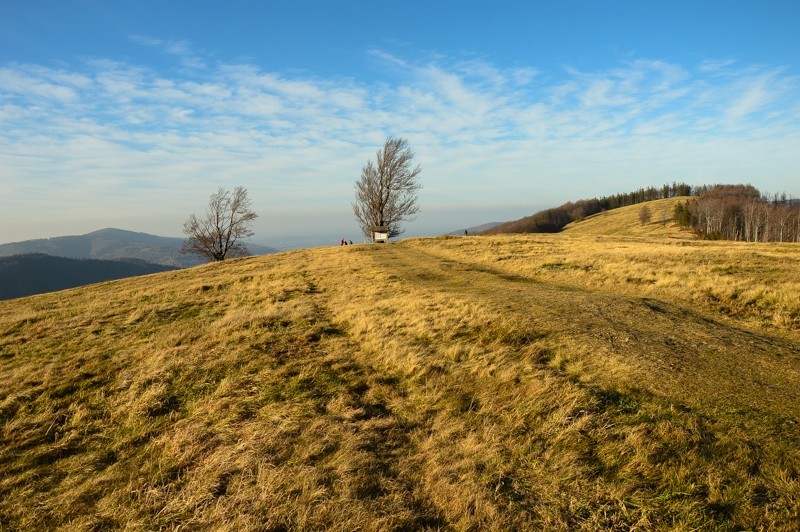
[721, 211]
[625, 221]
[536, 381]
[555, 219]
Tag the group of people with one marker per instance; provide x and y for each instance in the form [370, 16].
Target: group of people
[344, 242]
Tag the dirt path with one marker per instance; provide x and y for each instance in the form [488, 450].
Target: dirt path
[656, 345]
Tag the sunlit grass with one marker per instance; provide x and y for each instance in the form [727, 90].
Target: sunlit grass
[574, 381]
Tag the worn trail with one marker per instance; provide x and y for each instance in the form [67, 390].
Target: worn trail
[668, 349]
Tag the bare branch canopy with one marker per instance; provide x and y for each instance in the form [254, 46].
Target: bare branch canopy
[217, 235]
[386, 193]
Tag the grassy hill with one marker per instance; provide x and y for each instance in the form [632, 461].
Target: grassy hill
[625, 221]
[509, 382]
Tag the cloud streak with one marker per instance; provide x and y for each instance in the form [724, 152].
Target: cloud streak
[485, 135]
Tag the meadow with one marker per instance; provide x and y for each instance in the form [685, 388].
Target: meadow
[592, 379]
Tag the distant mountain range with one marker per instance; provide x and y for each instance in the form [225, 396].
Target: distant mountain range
[115, 244]
[36, 273]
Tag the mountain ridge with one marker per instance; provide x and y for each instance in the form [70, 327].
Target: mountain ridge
[112, 244]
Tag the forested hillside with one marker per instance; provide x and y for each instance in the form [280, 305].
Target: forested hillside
[36, 273]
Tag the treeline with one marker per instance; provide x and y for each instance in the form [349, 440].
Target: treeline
[555, 219]
[741, 212]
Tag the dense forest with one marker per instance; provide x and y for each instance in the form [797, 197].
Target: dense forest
[741, 212]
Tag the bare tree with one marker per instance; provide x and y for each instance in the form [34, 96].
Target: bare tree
[386, 193]
[783, 216]
[218, 234]
[645, 215]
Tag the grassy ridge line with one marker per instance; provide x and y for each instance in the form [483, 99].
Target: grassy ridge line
[427, 384]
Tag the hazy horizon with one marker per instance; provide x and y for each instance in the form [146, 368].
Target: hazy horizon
[286, 241]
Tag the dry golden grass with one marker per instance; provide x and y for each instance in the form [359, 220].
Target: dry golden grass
[626, 221]
[510, 382]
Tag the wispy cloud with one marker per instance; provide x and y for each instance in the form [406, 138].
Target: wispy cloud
[180, 49]
[114, 133]
[49, 86]
[711, 65]
[758, 92]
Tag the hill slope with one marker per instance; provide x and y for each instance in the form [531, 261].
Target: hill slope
[475, 229]
[526, 382]
[625, 221]
[25, 275]
[113, 244]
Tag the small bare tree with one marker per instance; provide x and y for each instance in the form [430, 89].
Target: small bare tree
[645, 215]
[218, 234]
[386, 193]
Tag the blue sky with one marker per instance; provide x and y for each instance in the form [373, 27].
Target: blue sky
[130, 114]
